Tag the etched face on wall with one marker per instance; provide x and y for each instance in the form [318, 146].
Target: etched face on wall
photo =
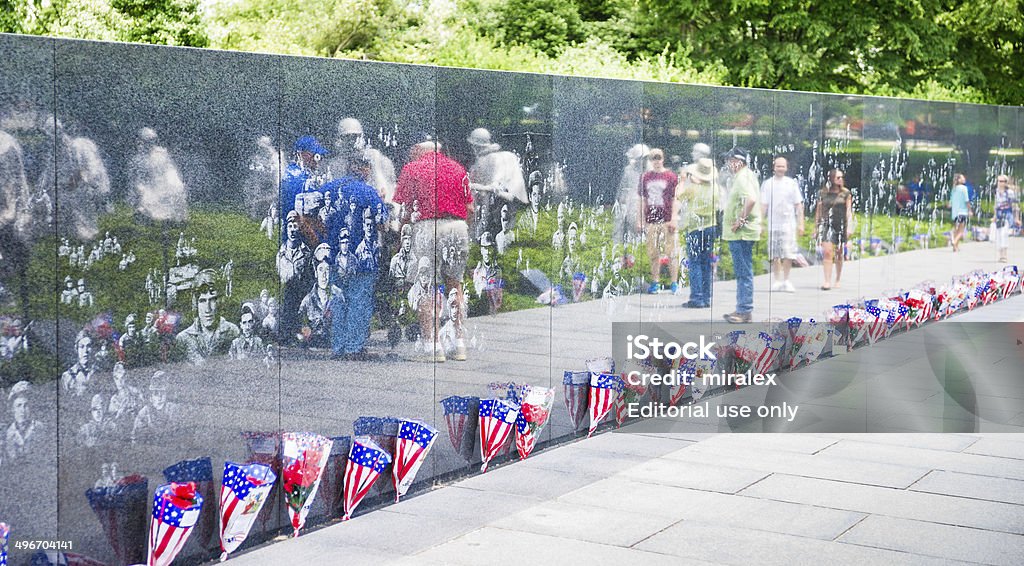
[83, 349]
[206, 306]
[21, 410]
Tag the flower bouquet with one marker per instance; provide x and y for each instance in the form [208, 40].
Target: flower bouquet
[304, 458]
[533, 415]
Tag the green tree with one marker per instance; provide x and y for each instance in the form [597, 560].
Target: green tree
[545, 25]
[167, 22]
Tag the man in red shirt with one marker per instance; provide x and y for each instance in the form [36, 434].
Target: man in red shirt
[438, 188]
[658, 194]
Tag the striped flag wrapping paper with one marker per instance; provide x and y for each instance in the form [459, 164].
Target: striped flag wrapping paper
[244, 490]
[415, 439]
[176, 508]
[497, 420]
[5, 533]
[366, 462]
[303, 459]
[604, 390]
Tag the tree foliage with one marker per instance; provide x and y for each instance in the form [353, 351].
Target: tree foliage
[970, 50]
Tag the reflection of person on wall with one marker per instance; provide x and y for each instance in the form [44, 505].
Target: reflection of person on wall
[741, 222]
[441, 187]
[358, 270]
[833, 223]
[301, 186]
[496, 179]
[658, 220]
[627, 201]
[783, 207]
[160, 191]
[960, 209]
[700, 190]
[293, 267]
[210, 334]
[1006, 217]
[25, 433]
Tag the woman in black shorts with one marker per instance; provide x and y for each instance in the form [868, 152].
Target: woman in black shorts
[833, 220]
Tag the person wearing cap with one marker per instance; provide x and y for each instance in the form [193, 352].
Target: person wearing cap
[209, 334]
[294, 261]
[741, 228]
[69, 295]
[833, 223]
[301, 187]
[496, 178]
[403, 263]
[159, 418]
[658, 220]
[507, 237]
[248, 344]
[441, 187]
[324, 304]
[98, 428]
[783, 208]
[699, 191]
[85, 298]
[25, 433]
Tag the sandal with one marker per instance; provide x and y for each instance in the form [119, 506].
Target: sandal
[825, 288]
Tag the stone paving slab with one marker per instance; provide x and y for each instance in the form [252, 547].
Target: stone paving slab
[972, 486]
[941, 541]
[936, 459]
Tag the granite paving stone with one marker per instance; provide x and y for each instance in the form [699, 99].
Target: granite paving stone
[942, 541]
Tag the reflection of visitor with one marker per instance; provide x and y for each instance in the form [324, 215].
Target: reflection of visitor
[440, 185]
[159, 417]
[210, 334]
[627, 200]
[658, 218]
[495, 178]
[160, 191]
[741, 227]
[699, 191]
[1006, 217]
[248, 345]
[783, 206]
[960, 209]
[300, 189]
[833, 222]
[25, 433]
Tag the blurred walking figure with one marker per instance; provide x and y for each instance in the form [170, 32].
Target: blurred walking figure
[959, 208]
[440, 236]
[699, 191]
[496, 179]
[833, 222]
[160, 192]
[783, 207]
[660, 207]
[1007, 215]
[626, 211]
[742, 229]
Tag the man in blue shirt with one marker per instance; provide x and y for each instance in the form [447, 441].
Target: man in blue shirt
[301, 189]
[960, 209]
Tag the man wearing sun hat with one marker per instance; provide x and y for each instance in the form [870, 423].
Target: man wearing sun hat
[699, 191]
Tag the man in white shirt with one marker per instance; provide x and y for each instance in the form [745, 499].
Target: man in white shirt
[783, 208]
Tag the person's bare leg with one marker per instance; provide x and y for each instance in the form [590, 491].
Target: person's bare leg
[777, 270]
[787, 265]
[839, 267]
[652, 254]
[672, 251]
[826, 262]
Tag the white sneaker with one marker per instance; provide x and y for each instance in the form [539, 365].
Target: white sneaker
[788, 287]
[778, 286]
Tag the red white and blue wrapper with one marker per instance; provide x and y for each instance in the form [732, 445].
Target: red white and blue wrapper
[5, 534]
[631, 393]
[176, 509]
[415, 439]
[244, 490]
[770, 353]
[497, 420]
[303, 459]
[921, 304]
[121, 511]
[366, 462]
[200, 472]
[533, 415]
[604, 391]
[460, 416]
[576, 390]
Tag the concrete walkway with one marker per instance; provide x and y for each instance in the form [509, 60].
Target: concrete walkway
[635, 498]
